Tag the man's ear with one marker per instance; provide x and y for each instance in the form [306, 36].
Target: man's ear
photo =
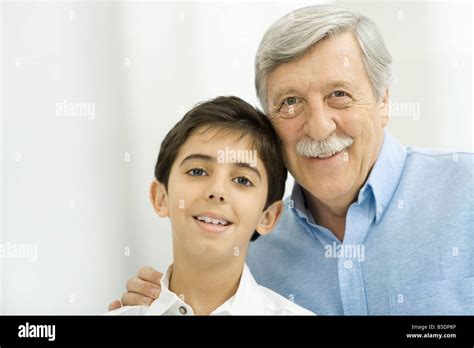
[159, 198]
[384, 112]
[269, 218]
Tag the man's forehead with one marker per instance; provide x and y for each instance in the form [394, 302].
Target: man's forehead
[333, 61]
[336, 48]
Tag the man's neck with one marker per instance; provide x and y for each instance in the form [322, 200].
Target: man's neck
[205, 286]
[332, 216]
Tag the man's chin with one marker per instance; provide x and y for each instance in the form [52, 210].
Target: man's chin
[327, 189]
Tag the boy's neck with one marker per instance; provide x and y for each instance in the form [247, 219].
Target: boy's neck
[205, 286]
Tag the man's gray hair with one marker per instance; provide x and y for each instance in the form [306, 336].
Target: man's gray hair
[294, 34]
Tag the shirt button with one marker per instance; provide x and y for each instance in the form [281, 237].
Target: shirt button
[348, 264]
[183, 310]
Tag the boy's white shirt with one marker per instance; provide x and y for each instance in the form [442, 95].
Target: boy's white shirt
[249, 299]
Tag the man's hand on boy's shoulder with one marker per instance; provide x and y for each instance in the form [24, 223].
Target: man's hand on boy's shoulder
[141, 290]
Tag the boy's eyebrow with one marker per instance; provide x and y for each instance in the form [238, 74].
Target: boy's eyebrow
[200, 156]
[247, 165]
[208, 158]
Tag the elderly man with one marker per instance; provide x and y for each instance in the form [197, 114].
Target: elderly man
[371, 227]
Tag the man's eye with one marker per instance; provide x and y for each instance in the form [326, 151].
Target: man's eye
[196, 172]
[290, 101]
[242, 181]
[339, 94]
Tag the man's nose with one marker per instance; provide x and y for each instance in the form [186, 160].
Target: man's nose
[319, 122]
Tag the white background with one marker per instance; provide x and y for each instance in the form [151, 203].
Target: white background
[77, 187]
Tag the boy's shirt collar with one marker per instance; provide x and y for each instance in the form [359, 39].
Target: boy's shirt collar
[246, 301]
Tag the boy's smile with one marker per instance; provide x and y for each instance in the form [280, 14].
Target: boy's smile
[212, 222]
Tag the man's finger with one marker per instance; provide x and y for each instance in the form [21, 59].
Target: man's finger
[133, 299]
[149, 274]
[143, 288]
[114, 305]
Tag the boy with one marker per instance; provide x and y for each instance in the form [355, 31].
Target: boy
[220, 180]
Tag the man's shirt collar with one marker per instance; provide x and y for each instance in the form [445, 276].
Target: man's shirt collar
[386, 173]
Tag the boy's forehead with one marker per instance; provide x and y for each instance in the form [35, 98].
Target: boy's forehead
[214, 140]
[223, 146]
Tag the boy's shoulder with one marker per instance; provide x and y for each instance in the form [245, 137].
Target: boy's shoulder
[276, 304]
[250, 299]
[129, 310]
[271, 302]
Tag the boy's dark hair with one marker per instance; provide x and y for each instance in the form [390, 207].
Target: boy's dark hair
[235, 115]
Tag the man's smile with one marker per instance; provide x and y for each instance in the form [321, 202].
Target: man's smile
[326, 157]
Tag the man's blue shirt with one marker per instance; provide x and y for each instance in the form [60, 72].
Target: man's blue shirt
[408, 246]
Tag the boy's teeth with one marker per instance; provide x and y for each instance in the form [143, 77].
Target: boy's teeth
[209, 220]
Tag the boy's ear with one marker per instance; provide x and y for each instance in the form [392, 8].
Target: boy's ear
[159, 197]
[270, 218]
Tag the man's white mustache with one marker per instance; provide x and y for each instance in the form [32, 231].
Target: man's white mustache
[329, 146]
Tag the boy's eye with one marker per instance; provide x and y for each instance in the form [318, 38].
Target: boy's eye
[196, 172]
[242, 181]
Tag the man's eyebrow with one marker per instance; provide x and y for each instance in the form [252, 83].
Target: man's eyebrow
[247, 165]
[200, 156]
[340, 83]
[330, 84]
[282, 92]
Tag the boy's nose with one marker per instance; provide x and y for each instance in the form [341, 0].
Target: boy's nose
[212, 197]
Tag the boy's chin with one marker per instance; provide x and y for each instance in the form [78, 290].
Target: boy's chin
[208, 254]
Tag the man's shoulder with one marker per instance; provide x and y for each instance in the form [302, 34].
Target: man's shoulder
[441, 181]
[438, 155]
[440, 163]
[276, 304]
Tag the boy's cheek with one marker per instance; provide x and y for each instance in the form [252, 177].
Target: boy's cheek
[247, 225]
[178, 197]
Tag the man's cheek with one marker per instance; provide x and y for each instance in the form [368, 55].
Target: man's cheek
[288, 142]
[352, 155]
[289, 157]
